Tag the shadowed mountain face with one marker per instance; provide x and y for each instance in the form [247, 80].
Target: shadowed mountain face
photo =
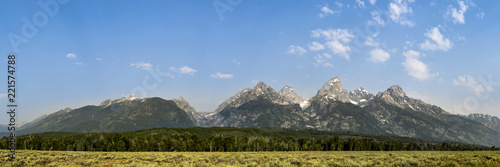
[333, 108]
[115, 116]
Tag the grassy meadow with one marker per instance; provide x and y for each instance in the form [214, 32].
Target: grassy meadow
[313, 158]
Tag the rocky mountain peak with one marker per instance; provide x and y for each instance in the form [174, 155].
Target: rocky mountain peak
[106, 102]
[332, 90]
[360, 96]
[286, 90]
[492, 122]
[394, 95]
[67, 109]
[288, 93]
[396, 91]
[133, 97]
[260, 86]
[333, 85]
[109, 102]
[184, 105]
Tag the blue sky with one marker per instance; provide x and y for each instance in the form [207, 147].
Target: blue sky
[75, 53]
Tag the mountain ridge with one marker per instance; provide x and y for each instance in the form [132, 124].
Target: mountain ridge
[390, 112]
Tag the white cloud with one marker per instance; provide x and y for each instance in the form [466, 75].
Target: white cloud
[323, 60]
[457, 14]
[79, 63]
[339, 4]
[183, 70]
[415, 67]
[325, 11]
[371, 42]
[99, 58]
[361, 4]
[338, 34]
[71, 56]
[294, 49]
[3, 95]
[480, 15]
[142, 65]
[399, 10]
[336, 39]
[316, 46]
[236, 62]
[472, 84]
[379, 56]
[376, 17]
[338, 48]
[221, 75]
[435, 41]
[373, 2]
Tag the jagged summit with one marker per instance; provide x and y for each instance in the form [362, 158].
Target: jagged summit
[288, 93]
[190, 111]
[360, 96]
[133, 97]
[332, 90]
[394, 95]
[260, 86]
[108, 102]
[396, 90]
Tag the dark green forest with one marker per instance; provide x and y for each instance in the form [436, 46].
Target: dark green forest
[226, 140]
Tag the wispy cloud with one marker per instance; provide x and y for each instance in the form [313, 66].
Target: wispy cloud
[294, 49]
[183, 70]
[361, 3]
[378, 56]
[219, 75]
[376, 18]
[415, 67]
[435, 41]
[99, 58]
[336, 40]
[399, 9]
[79, 63]
[316, 46]
[338, 48]
[323, 60]
[71, 55]
[457, 14]
[236, 62]
[371, 42]
[142, 65]
[471, 83]
[325, 11]
[480, 15]
[343, 35]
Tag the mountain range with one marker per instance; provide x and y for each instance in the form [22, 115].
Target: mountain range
[333, 108]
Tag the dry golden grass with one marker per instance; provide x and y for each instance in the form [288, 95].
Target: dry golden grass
[361, 158]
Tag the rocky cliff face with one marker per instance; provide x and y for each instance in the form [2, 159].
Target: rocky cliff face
[289, 95]
[489, 121]
[190, 111]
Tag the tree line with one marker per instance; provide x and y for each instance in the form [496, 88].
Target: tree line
[219, 143]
